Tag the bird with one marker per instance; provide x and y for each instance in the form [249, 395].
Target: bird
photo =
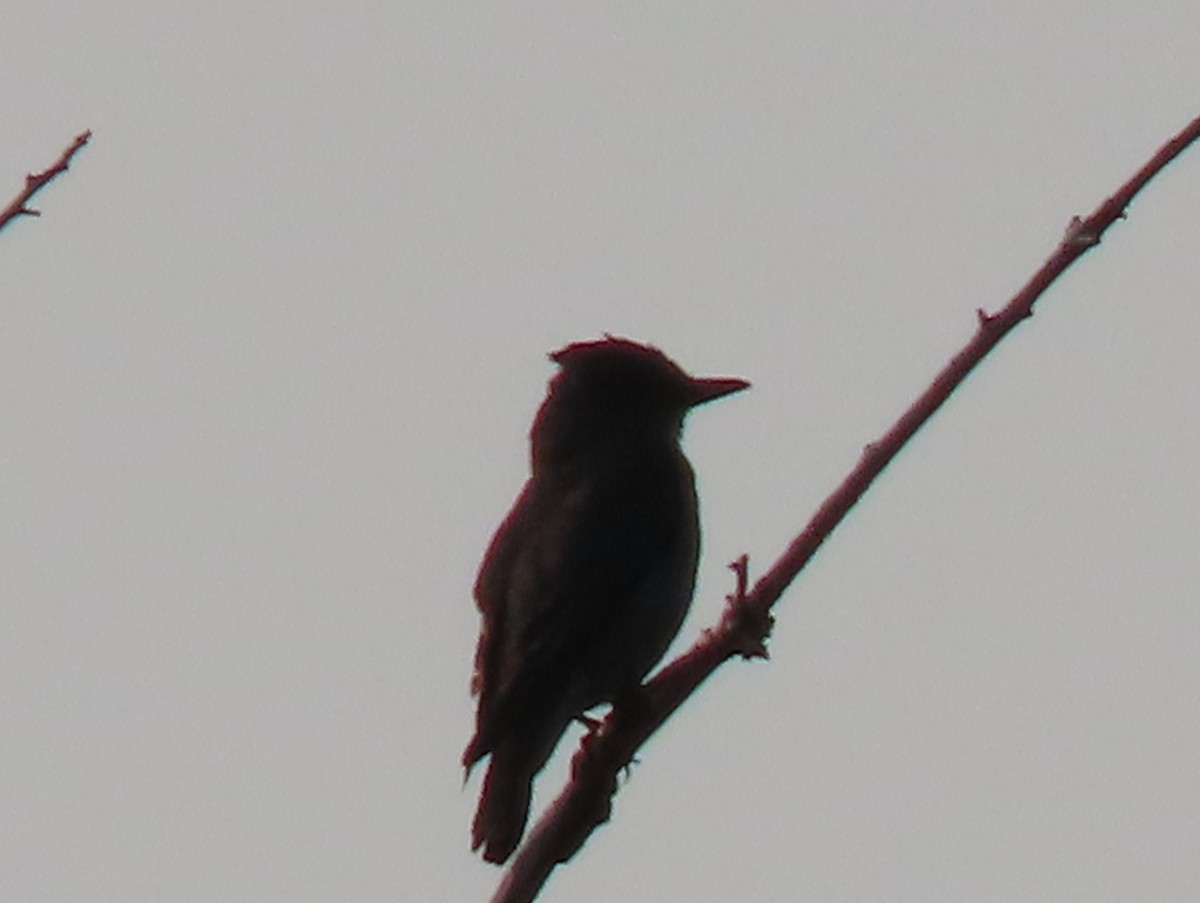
[588, 578]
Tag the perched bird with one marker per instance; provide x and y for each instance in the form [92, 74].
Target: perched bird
[588, 579]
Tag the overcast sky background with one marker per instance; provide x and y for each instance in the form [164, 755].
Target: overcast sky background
[269, 357]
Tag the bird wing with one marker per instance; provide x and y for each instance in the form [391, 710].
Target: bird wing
[564, 576]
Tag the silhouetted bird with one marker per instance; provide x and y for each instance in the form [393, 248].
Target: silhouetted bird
[588, 579]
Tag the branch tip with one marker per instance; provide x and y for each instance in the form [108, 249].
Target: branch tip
[36, 181]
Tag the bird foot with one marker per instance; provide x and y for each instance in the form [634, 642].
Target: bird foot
[592, 725]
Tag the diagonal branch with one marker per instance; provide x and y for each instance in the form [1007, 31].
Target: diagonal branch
[586, 802]
[35, 182]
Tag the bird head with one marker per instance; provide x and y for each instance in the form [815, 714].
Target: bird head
[615, 391]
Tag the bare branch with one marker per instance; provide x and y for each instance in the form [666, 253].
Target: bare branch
[35, 182]
[586, 802]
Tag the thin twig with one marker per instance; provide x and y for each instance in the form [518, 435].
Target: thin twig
[586, 801]
[35, 182]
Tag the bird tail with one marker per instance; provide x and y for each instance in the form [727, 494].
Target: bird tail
[503, 803]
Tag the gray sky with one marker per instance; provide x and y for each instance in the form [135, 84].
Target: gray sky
[270, 355]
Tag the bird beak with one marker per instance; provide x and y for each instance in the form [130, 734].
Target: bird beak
[702, 390]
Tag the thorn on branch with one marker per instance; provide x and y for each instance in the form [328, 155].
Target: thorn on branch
[747, 624]
[1079, 236]
[871, 451]
[741, 567]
